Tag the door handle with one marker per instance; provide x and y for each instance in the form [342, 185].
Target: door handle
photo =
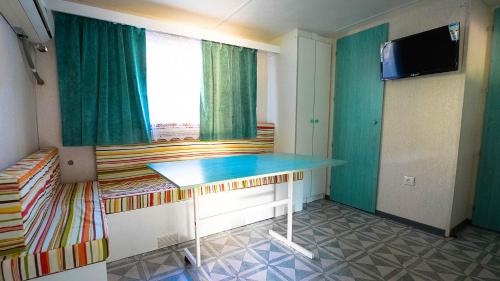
[311, 121]
[316, 121]
[374, 122]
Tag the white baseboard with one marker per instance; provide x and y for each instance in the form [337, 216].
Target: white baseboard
[314, 198]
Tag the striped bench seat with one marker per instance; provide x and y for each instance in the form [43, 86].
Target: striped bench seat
[127, 184]
[58, 226]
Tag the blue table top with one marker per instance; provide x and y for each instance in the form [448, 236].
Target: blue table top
[191, 173]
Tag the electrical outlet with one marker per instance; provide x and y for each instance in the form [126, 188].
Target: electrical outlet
[168, 240]
[409, 181]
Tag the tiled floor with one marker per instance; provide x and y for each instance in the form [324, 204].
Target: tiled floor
[348, 244]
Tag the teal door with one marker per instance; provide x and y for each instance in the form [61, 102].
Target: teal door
[359, 97]
[487, 202]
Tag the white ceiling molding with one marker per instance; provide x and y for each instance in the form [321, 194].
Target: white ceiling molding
[157, 25]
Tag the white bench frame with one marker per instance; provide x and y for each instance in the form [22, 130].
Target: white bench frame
[153, 222]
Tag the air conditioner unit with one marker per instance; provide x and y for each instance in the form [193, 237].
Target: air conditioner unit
[29, 17]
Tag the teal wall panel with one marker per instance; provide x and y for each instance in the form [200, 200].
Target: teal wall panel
[359, 98]
[487, 202]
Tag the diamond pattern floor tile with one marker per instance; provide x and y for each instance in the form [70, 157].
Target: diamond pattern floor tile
[348, 244]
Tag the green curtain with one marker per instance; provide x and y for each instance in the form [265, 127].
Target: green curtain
[229, 92]
[102, 82]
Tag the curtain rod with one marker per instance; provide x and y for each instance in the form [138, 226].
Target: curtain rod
[157, 25]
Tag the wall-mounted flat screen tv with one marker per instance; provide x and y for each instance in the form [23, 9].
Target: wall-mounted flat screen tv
[429, 52]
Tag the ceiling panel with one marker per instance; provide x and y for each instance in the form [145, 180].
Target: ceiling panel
[212, 8]
[259, 18]
[321, 16]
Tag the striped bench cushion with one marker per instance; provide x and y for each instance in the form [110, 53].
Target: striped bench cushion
[24, 191]
[137, 194]
[127, 184]
[70, 233]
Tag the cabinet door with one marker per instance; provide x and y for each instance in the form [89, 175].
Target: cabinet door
[305, 103]
[321, 113]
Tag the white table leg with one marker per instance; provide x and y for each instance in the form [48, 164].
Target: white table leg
[196, 261]
[287, 241]
[289, 208]
[196, 226]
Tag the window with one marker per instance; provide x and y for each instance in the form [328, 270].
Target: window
[174, 77]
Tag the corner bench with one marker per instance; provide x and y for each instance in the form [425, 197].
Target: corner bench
[134, 194]
[45, 226]
[127, 184]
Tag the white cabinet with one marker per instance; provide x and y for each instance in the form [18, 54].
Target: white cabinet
[305, 96]
[321, 116]
[304, 103]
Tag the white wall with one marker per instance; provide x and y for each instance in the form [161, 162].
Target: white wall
[286, 93]
[266, 91]
[472, 112]
[272, 88]
[18, 129]
[421, 124]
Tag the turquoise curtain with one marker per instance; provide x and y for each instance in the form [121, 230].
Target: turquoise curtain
[102, 82]
[229, 92]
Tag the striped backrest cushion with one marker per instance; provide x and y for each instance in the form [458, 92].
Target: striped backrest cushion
[24, 190]
[120, 163]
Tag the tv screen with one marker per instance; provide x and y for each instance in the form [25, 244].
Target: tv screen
[433, 51]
